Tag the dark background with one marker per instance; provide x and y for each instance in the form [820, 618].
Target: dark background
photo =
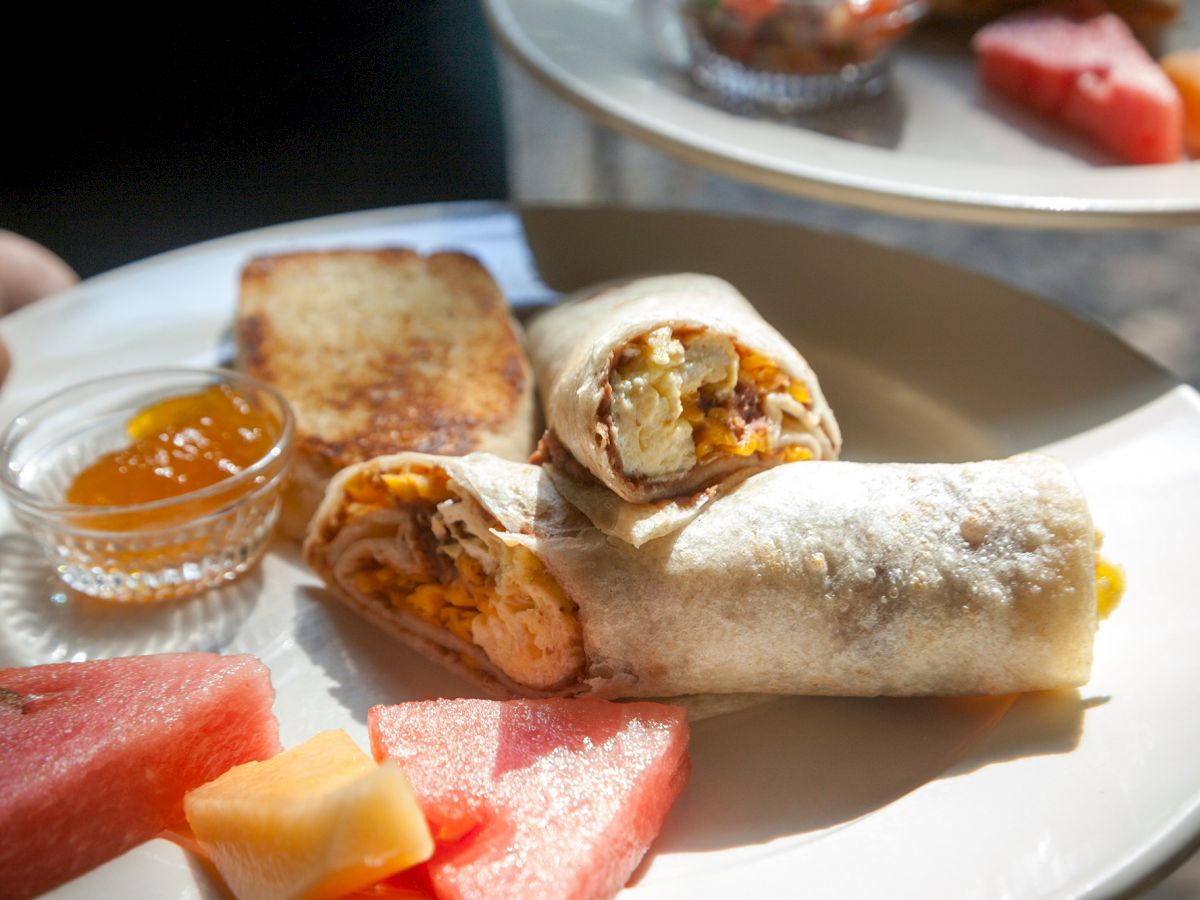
[130, 134]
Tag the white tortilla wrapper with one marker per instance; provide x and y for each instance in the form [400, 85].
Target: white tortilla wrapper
[821, 578]
[637, 523]
[574, 346]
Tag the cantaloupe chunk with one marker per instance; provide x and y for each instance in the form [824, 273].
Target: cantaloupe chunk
[1183, 68]
[319, 820]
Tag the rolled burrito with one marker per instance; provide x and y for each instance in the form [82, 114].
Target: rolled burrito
[662, 387]
[826, 578]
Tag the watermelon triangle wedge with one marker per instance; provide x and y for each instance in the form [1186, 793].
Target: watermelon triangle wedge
[95, 757]
[537, 798]
[1088, 71]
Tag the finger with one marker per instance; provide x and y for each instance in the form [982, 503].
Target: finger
[28, 272]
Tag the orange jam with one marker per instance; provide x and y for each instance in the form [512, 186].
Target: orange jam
[180, 444]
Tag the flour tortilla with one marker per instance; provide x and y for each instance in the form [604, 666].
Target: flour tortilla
[573, 348]
[817, 578]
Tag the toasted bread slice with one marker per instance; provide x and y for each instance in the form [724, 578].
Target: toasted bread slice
[383, 350]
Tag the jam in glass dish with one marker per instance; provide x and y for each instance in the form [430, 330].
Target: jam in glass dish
[150, 485]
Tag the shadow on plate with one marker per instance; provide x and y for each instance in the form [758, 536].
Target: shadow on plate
[209, 884]
[801, 766]
[47, 622]
[875, 121]
[1038, 724]
[367, 666]
[1043, 130]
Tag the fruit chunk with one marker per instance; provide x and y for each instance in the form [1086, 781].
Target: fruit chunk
[1091, 73]
[537, 798]
[95, 757]
[1183, 68]
[319, 820]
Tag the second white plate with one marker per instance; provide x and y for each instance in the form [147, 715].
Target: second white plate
[937, 145]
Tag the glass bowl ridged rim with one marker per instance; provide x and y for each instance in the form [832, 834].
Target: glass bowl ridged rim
[51, 509]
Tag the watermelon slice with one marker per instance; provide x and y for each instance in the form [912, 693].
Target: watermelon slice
[1090, 72]
[95, 757]
[537, 798]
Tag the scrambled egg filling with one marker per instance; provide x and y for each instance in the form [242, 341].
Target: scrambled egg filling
[680, 399]
[479, 588]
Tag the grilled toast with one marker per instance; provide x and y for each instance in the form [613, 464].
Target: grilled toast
[379, 351]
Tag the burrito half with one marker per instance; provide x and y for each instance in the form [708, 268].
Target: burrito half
[828, 578]
[662, 387]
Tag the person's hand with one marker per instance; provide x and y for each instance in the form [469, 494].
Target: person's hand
[28, 272]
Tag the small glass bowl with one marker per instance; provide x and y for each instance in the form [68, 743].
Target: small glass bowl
[785, 56]
[142, 552]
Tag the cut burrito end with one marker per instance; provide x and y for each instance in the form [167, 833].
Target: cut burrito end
[683, 398]
[663, 386]
[432, 560]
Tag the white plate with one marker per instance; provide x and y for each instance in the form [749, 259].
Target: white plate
[1057, 795]
[937, 145]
